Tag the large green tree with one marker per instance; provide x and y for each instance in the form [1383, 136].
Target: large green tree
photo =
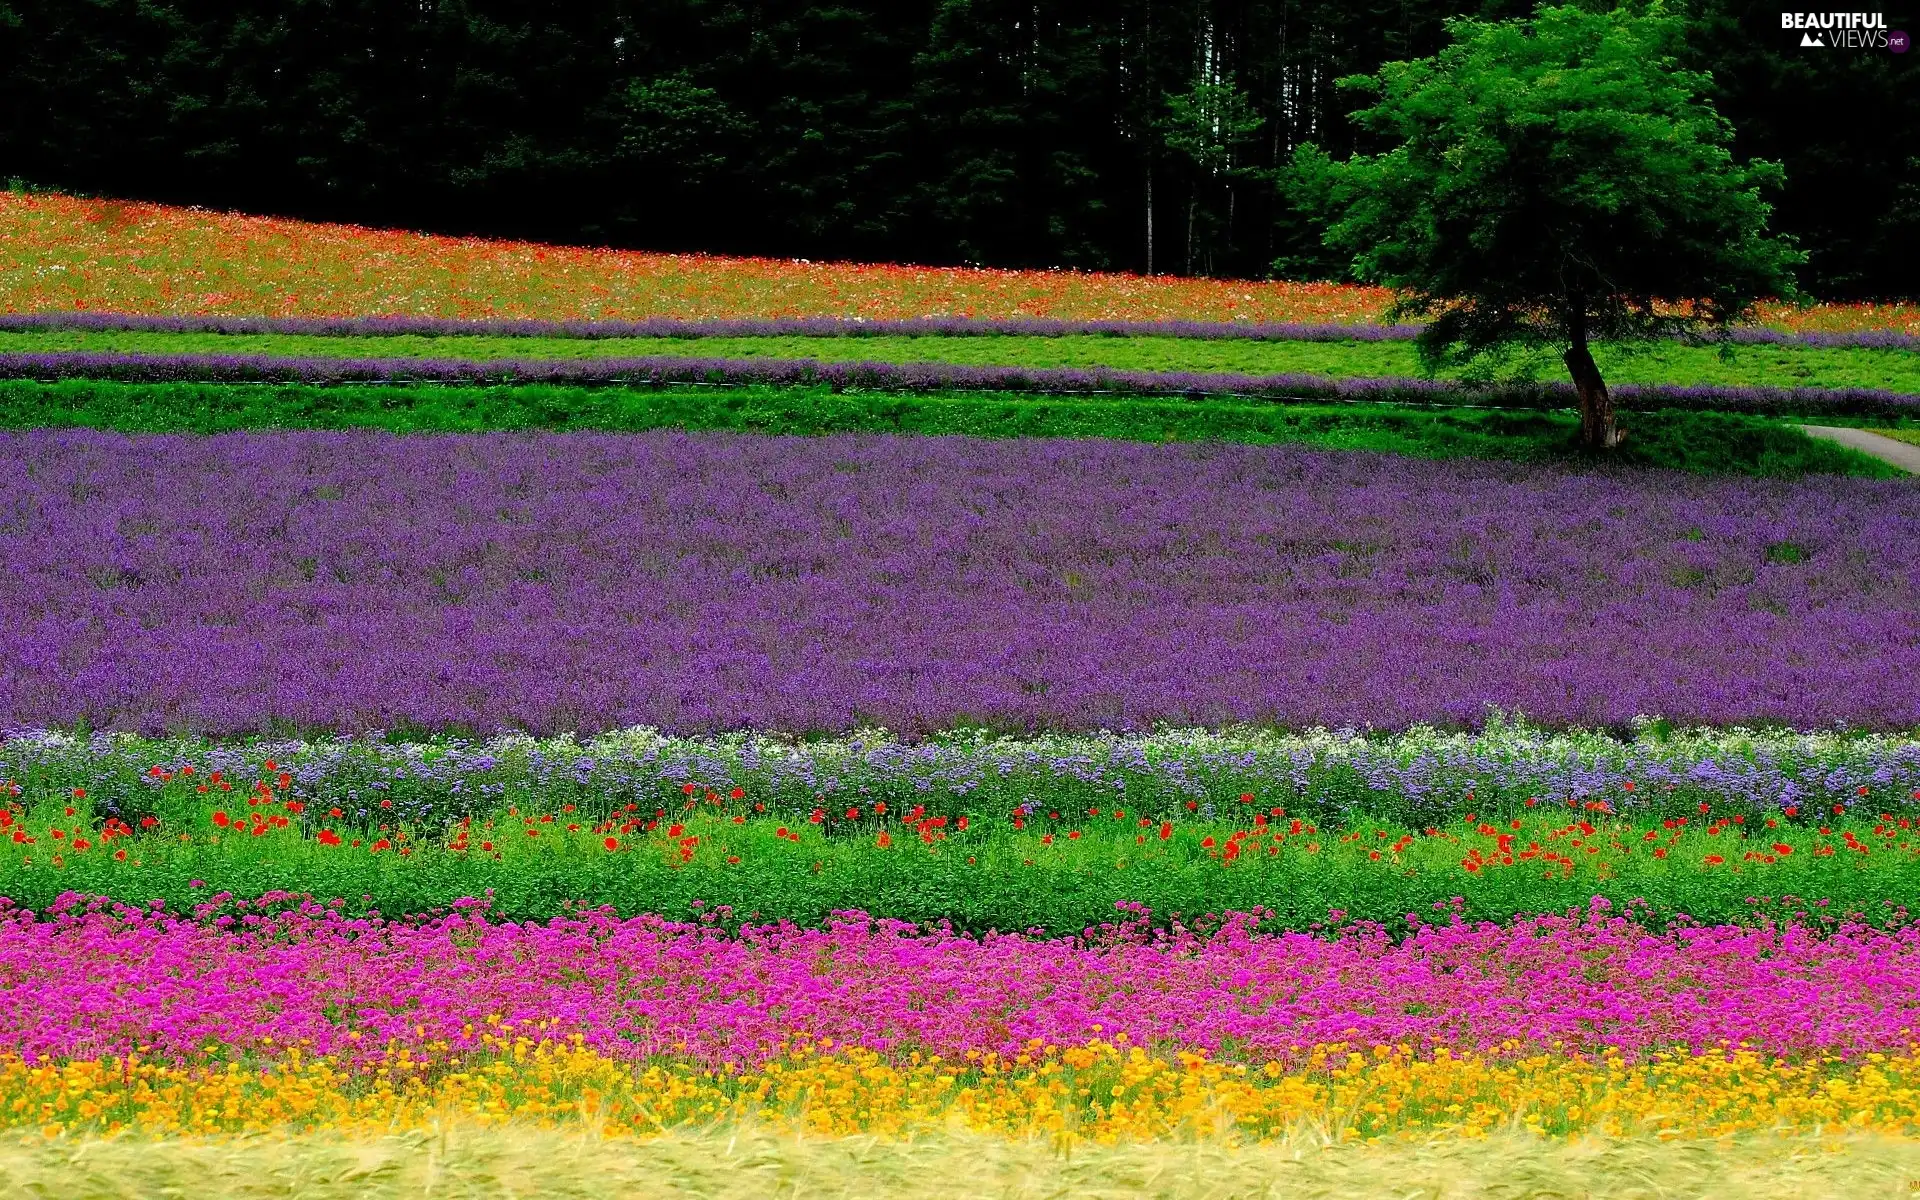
[1557, 180]
[1086, 133]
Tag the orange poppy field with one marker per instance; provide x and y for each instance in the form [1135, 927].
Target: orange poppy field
[69, 254]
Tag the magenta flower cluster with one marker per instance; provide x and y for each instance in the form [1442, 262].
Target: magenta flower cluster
[95, 980]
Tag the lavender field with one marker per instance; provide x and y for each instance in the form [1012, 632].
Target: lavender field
[699, 582]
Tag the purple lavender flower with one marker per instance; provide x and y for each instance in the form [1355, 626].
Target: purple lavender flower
[707, 582]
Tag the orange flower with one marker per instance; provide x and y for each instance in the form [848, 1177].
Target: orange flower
[158, 259]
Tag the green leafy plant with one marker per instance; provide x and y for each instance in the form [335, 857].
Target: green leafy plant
[1558, 180]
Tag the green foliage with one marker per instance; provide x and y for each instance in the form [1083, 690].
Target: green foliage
[989, 833]
[1557, 179]
[1307, 185]
[1666, 361]
[1724, 443]
[673, 131]
[1012, 133]
[997, 877]
[1703, 442]
[1211, 123]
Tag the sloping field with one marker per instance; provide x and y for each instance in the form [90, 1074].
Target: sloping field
[67, 254]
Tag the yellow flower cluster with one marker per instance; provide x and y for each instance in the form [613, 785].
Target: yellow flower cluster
[1103, 1091]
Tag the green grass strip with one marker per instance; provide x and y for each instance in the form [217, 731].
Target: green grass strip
[1702, 442]
[1655, 363]
[1060, 876]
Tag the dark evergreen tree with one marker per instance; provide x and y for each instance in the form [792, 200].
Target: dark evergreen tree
[1017, 132]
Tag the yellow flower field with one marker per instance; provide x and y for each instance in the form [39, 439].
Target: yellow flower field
[1103, 1093]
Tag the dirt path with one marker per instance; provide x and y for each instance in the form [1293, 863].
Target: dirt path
[1901, 455]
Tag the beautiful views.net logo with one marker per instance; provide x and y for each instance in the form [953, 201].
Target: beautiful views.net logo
[1844, 31]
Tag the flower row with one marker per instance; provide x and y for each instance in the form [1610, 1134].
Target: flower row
[1420, 777]
[244, 979]
[702, 582]
[734, 327]
[660, 371]
[1101, 1091]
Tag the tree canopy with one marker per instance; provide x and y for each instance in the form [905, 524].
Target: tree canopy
[1039, 133]
[1557, 180]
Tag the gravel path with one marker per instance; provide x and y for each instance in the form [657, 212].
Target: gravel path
[1901, 455]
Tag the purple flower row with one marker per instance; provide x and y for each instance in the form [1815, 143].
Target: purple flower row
[701, 582]
[97, 980]
[1421, 778]
[658, 371]
[668, 327]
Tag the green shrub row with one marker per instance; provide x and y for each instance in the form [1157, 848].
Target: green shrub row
[1060, 876]
[1704, 442]
[1657, 362]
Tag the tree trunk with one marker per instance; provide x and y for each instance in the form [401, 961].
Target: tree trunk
[1230, 199]
[1149, 218]
[1193, 203]
[1598, 428]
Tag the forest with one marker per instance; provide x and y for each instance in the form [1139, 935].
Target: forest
[1147, 136]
